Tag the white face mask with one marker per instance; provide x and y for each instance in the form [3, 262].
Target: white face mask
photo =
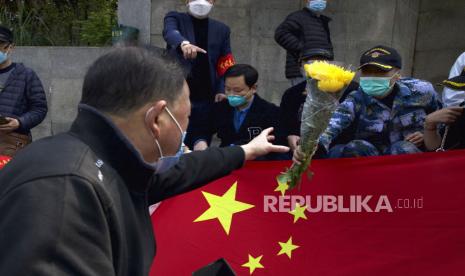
[199, 8]
[165, 163]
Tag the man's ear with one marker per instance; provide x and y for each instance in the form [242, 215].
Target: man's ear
[398, 75]
[254, 88]
[153, 115]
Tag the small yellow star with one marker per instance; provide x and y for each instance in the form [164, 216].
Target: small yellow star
[287, 248]
[298, 212]
[282, 187]
[223, 207]
[253, 263]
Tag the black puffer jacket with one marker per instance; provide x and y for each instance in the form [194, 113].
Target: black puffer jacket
[77, 203]
[302, 30]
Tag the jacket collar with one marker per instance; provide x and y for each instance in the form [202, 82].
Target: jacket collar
[403, 91]
[112, 146]
[19, 69]
[253, 112]
[313, 14]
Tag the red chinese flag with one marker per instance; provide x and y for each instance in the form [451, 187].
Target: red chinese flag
[418, 229]
[4, 160]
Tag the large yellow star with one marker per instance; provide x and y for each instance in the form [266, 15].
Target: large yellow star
[253, 263]
[287, 248]
[223, 207]
[299, 212]
[282, 187]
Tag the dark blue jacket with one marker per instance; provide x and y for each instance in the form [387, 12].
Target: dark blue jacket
[179, 27]
[23, 98]
[261, 115]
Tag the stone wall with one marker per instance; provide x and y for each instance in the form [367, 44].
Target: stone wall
[61, 70]
[428, 33]
[440, 39]
[136, 14]
[357, 25]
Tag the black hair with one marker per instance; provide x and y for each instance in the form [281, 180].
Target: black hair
[6, 35]
[250, 74]
[127, 78]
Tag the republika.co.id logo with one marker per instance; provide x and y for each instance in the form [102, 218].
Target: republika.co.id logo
[339, 203]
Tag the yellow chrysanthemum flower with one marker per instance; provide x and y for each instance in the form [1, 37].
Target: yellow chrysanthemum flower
[332, 78]
[330, 86]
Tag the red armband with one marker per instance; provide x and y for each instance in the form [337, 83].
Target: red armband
[4, 160]
[224, 63]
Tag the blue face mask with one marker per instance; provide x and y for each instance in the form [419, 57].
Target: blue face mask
[165, 163]
[317, 5]
[376, 86]
[236, 101]
[3, 57]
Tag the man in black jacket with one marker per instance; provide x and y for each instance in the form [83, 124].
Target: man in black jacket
[301, 30]
[203, 45]
[77, 203]
[23, 104]
[243, 116]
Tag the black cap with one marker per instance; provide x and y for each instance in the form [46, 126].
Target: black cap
[6, 35]
[382, 57]
[456, 83]
[316, 52]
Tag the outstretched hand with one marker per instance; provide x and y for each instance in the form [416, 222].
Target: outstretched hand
[261, 145]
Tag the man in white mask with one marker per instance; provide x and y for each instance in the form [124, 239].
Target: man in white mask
[451, 97]
[203, 47]
[78, 202]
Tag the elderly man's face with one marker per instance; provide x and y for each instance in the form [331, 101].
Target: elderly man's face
[170, 136]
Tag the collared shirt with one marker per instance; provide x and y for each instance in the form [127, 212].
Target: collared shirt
[239, 115]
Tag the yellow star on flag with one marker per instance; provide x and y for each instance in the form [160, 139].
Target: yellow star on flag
[253, 263]
[287, 248]
[223, 207]
[282, 187]
[299, 212]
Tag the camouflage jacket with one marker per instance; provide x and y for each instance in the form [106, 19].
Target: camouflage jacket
[367, 118]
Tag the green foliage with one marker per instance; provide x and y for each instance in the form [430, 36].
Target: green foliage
[59, 22]
[96, 30]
